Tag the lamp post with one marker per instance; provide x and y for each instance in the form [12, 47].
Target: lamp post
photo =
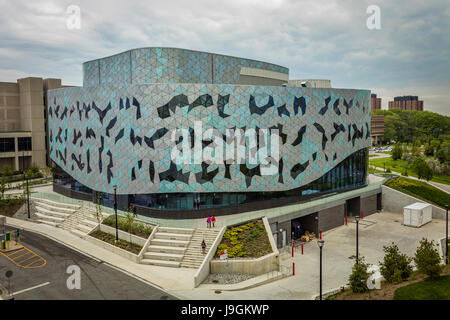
[115, 211]
[26, 179]
[446, 234]
[357, 242]
[320, 243]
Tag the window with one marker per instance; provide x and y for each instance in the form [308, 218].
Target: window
[24, 144]
[7, 145]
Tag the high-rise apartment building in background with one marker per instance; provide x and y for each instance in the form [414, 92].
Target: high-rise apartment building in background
[375, 103]
[410, 103]
[23, 122]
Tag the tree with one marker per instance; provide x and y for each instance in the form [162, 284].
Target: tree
[130, 220]
[98, 207]
[396, 266]
[440, 155]
[429, 150]
[397, 152]
[359, 276]
[7, 170]
[427, 259]
[422, 169]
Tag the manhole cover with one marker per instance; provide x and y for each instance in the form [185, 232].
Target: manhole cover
[218, 291]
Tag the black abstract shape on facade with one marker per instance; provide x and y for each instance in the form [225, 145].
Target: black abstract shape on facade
[134, 138]
[283, 110]
[206, 176]
[367, 131]
[280, 171]
[322, 131]
[151, 171]
[325, 107]
[174, 174]
[86, 110]
[51, 135]
[100, 150]
[111, 125]
[101, 113]
[138, 108]
[335, 157]
[227, 171]
[88, 156]
[177, 101]
[326, 157]
[358, 134]
[64, 114]
[336, 107]
[58, 136]
[157, 135]
[298, 168]
[254, 109]
[140, 164]
[348, 105]
[72, 110]
[110, 165]
[119, 135]
[78, 161]
[314, 156]
[300, 134]
[250, 173]
[76, 136]
[62, 157]
[50, 112]
[80, 111]
[337, 129]
[57, 111]
[65, 136]
[203, 100]
[133, 174]
[90, 133]
[299, 103]
[349, 133]
[222, 101]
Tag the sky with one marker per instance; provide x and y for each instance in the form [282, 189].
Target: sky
[409, 54]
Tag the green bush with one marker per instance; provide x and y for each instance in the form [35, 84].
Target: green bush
[34, 169]
[388, 170]
[427, 259]
[396, 266]
[7, 170]
[359, 276]
[397, 152]
[420, 190]
[422, 168]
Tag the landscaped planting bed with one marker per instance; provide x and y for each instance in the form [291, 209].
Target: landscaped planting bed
[421, 190]
[108, 238]
[138, 229]
[8, 207]
[248, 240]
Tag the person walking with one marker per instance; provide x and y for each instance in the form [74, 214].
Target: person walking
[203, 246]
[208, 222]
[213, 220]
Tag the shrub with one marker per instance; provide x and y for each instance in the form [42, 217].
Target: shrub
[34, 169]
[7, 170]
[427, 259]
[388, 170]
[422, 168]
[397, 152]
[429, 150]
[359, 276]
[440, 155]
[396, 266]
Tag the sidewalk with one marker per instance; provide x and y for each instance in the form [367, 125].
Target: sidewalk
[165, 278]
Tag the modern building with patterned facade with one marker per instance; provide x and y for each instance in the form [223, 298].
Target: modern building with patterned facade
[120, 131]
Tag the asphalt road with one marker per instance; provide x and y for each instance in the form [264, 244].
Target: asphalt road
[98, 280]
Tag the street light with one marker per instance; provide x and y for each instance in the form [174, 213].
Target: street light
[26, 179]
[320, 243]
[357, 243]
[446, 234]
[115, 210]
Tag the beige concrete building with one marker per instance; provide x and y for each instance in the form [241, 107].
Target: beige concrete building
[23, 122]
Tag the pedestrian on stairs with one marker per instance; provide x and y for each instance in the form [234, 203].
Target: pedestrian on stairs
[213, 220]
[208, 222]
[203, 246]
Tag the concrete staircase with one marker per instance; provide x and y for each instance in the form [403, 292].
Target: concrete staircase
[53, 213]
[82, 222]
[168, 246]
[193, 256]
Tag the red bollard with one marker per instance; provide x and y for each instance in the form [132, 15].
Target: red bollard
[293, 268]
[346, 221]
[362, 214]
[292, 250]
[302, 248]
[320, 234]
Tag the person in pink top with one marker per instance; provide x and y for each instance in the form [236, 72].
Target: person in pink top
[208, 222]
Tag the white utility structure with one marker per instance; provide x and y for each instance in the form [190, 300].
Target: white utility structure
[417, 214]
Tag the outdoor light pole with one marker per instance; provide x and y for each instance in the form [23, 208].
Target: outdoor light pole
[28, 199]
[446, 234]
[320, 243]
[357, 240]
[115, 210]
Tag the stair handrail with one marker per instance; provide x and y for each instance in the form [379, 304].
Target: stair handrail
[147, 243]
[204, 269]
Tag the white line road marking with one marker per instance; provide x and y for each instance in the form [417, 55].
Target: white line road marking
[32, 288]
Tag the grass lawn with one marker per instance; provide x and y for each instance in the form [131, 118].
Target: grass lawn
[436, 289]
[421, 190]
[399, 166]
